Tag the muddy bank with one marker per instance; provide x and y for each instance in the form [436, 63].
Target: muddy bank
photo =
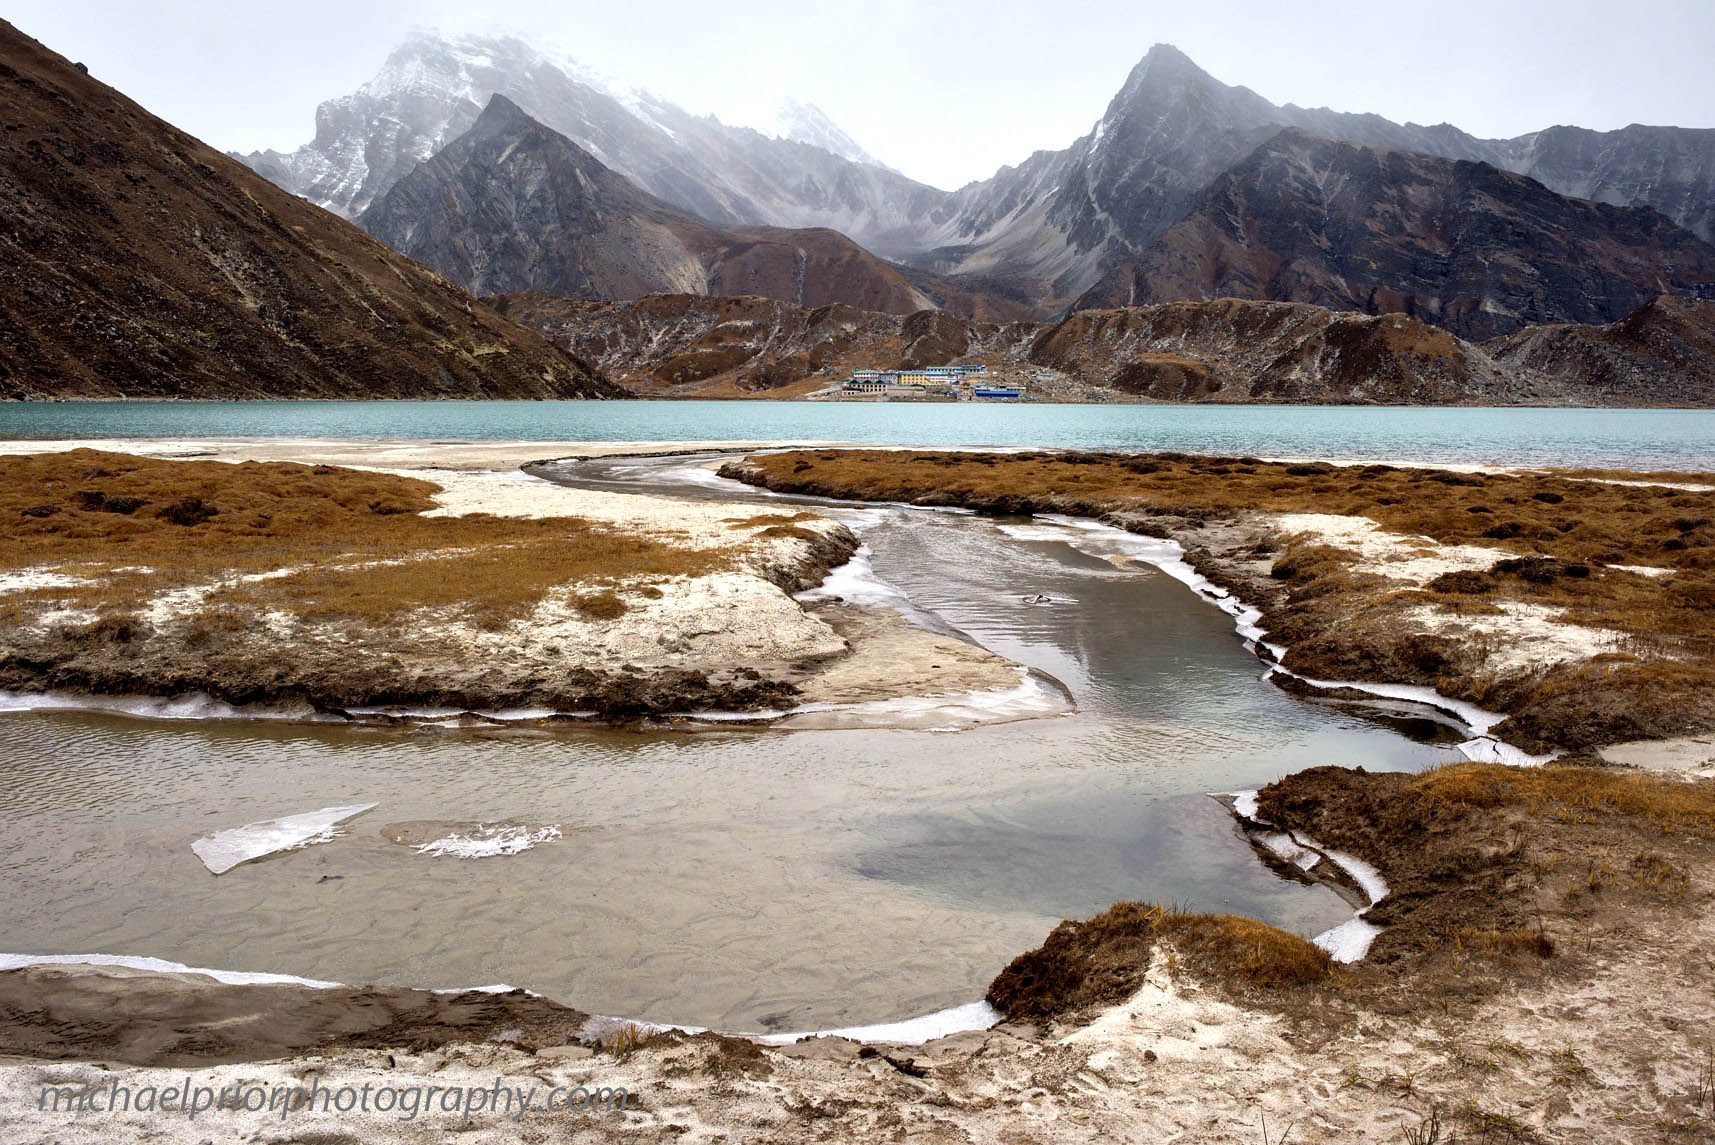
[140, 1017]
[1578, 608]
[1566, 1002]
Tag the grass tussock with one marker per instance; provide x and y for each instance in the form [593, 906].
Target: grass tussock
[1103, 960]
[356, 544]
[627, 1038]
[778, 525]
[1532, 941]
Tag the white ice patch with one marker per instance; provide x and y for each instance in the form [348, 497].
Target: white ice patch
[487, 842]
[30, 579]
[1366, 876]
[199, 706]
[1349, 941]
[161, 966]
[856, 583]
[224, 850]
[224, 977]
[1031, 699]
[1290, 849]
[696, 473]
[196, 706]
[909, 1032]
[1488, 749]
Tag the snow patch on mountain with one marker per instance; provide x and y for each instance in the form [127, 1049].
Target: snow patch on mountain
[802, 122]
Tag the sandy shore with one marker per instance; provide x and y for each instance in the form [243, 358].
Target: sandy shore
[411, 453]
[1610, 1052]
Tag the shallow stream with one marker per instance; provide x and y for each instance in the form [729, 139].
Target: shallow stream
[743, 879]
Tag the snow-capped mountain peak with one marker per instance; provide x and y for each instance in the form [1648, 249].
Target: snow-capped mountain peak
[806, 123]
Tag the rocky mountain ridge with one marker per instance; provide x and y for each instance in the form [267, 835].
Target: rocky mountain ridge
[1221, 350]
[433, 88]
[1661, 353]
[1043, 232]
[514, 206]
[1458, 243]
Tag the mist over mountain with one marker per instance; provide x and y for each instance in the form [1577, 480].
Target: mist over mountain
[432, 89]
[1046, 230]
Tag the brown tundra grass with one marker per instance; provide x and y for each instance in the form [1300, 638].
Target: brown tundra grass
[358, 541]
[1558, 538]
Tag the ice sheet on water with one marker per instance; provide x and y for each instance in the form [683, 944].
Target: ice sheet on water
[856, 582]
[161, 966]
[1349, 941]
[489, 841]
[224, 850]
[910, 1032]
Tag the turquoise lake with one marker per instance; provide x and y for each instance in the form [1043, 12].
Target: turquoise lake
[1653, 438]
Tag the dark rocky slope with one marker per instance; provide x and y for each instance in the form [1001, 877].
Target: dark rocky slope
[1663, 353]
[513, 206]
[689, 345]
[1228, 350]
[1463, 245]
[136, 261]
[1221, 350]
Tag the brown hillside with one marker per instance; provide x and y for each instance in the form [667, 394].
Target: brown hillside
[136, 261]
[1663, 353]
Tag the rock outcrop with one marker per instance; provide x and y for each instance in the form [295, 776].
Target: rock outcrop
[1220, 350]
[693, 346]
[1229, 350]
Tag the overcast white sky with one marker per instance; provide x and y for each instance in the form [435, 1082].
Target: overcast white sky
[947, 91]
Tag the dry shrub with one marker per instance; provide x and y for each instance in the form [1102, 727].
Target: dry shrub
[600, 605]
[1229, 946]
[791, 532]
[1532, 941]
[778, 525]
[762, 520]
[629, 1037]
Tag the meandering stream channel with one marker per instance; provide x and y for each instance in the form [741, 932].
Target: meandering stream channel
[747, 879]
